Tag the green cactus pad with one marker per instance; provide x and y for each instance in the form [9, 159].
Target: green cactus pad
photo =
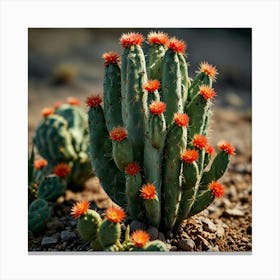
[88, 225]
[156, 245]
[109, 233]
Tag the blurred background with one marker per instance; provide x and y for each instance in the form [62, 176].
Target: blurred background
[66, 62]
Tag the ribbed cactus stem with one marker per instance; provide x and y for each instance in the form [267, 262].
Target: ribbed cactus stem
[217, 169]
[133, 186]
[111, 178]
[112, 91]
[53, 140]
[155, 56]
[136, 120]
[206, 76]
[171, 85]
[198, 109]
[153, 151]
[76, 120]
[185, 78]
[151, 203]
[124, 84]
[171, 184]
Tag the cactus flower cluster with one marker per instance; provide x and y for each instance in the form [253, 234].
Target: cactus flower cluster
[106, 235]
[148, 136]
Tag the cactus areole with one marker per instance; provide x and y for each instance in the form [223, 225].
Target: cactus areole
[149, 142]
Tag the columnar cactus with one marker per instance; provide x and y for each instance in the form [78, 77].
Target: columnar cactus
[62, 137]
[148, 143]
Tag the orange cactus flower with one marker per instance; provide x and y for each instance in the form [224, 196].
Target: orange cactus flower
[208, 69]
[200, 141]
[132, 169]
[148, 191]
[40, 163]
[227, 147]
[47, 112]
[131, 38]
[157, 38]
[216, 188]
[189, 156]
[114, 214]
[62, 170]
[181, 119]
[157, 107]
[176, 45]
[152, 85]
[73, 101]
[140, 238]
[111, 58]
[206, 92]
[118, 134]
[57, 105]
[93, 101]
[209, 150]
[80, 208]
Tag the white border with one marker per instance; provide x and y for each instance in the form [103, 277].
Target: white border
[17, 16]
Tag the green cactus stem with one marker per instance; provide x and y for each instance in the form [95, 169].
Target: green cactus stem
[171, 184]
[171, 85]
[54, 141]
[111, 178]
[88, 225]
[206, 75]
[133, 186]
[152, 205]
[110, 229]
[199, 109]
[157, 42]
[112, 91]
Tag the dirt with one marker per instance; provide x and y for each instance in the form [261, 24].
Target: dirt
[225, 226]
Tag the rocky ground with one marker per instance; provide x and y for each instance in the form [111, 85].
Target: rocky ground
[68, 63]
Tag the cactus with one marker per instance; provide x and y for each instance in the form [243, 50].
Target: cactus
[149, 143]
[62, 137]
[51, 188]
[106, 235]
[38, 214]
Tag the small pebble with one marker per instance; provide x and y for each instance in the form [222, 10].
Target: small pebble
[233, 213]
[67, 235]
[186, 244]
[208, 225]
[47, 241]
